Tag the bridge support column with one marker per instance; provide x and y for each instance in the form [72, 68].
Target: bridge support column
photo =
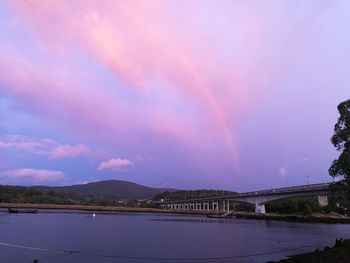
[198, 206]
[223, 205]
[322, 200]
[228, 206]
[260, 208]
[215, 206]
[206, 206]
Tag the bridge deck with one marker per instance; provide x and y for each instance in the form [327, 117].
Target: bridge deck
[276, 191]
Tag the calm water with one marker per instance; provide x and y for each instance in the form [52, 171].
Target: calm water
[110, 238]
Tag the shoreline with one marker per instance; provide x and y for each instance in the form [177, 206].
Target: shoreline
[319, 218]
[314, 218]
[96, 208]
[340, 253]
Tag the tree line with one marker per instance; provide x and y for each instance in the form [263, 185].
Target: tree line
[30, 195]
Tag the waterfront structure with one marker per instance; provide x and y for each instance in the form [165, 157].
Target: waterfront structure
[258, 198]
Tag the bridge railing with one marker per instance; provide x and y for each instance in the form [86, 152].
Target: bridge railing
[310, 187]
[290, 189]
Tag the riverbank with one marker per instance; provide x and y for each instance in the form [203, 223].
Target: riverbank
[315, 218]
[94, 208]
[339, 253]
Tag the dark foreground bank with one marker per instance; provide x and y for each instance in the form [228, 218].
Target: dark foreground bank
[339, 253]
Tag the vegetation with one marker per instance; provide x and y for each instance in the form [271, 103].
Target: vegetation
[31, 195]
[111, 189]
[190, 194]
[293, 206]
[340, 253]
[341, 166]
[20, 194]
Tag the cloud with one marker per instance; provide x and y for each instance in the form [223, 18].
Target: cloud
[4, 145]
[148, 45]
[30, 176]
[115, 164]
[212, 78]
[283, 171]
[45, 147]
[68, 151]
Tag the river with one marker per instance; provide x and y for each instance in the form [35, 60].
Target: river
[155, 238]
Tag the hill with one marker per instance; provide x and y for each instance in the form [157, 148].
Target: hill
[109, 189]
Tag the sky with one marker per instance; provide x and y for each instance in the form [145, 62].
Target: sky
[236, 95]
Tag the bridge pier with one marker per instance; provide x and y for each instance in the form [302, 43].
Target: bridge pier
[226, 205]
[198, 206]
[322, 200]
[215, 206]
[260, 208]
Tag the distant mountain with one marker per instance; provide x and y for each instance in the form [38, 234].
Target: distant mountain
[109, 188]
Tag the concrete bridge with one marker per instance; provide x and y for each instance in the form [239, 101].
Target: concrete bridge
[258, 198]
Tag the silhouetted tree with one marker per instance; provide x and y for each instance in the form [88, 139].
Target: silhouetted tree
[341, 141]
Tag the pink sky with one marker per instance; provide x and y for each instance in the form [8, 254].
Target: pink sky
[186, 86]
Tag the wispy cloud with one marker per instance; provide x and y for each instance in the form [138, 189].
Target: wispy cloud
[180, 82]
[45, 147]
[115, 164]
[4, 145]
[31, 176]
[69, 151]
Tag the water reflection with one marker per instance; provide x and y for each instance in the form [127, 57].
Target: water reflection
[156, 238]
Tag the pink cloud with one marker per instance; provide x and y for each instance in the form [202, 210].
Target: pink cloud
[68, 151]
[115, 164]
[31, 175]
[4, 145]
[45, 147]
[43, 89]
[141, 42]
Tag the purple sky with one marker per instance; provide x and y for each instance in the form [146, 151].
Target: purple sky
[186, 94]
